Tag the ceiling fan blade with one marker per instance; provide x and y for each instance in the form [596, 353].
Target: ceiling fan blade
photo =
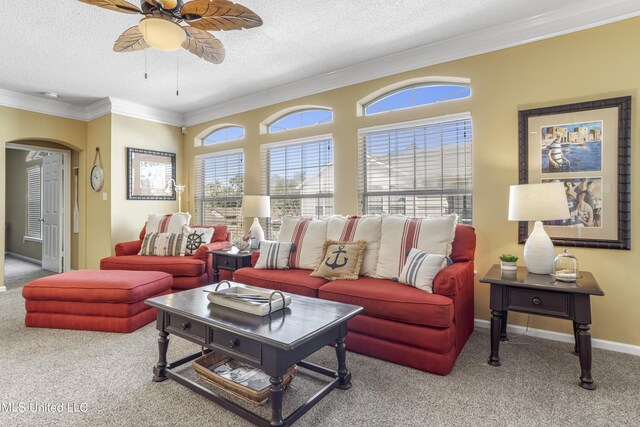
[130, 41]
[219, 15]
[164, 4]
[117, 5]
[204, 45]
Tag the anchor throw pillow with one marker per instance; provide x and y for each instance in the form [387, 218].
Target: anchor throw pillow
[421, 268]
[196, 237]
[341, 260]
[274, 255]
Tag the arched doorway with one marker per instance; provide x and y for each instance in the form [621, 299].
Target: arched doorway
[39, 210]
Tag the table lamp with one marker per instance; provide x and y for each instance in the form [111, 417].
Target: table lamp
[256, 207]
[538, 202]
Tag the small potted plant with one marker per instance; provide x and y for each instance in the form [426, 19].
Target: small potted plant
[508, 262]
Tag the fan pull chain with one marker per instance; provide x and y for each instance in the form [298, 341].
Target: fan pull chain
[177, 74]
[145, 54]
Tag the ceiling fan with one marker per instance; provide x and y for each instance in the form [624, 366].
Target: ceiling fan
[160, 28]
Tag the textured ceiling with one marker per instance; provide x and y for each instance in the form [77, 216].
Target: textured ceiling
[65, 46]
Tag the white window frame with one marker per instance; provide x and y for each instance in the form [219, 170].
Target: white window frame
[465, 190]
[199, 187]
[29, 235]
[204, 140]
[299, 111]
[412, 87]
[272, 227]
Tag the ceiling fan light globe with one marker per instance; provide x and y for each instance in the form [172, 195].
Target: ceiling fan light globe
[169, 4]
[161, 33]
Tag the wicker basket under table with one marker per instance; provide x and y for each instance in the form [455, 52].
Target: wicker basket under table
[204, 364]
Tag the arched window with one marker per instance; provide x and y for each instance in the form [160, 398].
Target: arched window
[300, 119]
[415, 95]
[225, 134]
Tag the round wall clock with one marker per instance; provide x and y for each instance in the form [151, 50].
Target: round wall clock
[96, 177]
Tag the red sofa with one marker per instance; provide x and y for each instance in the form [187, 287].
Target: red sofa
[400, 323]
[189, 271]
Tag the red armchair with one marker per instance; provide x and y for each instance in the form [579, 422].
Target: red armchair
[189, 271]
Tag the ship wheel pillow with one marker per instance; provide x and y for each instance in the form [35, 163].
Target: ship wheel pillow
[196, 237]
[341, 260]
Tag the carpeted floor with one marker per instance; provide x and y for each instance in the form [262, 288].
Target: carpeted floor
[536, 385]
[17, 272]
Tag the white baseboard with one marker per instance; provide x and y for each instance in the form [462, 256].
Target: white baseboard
[558, 336]
[25, 258]
[3, 288]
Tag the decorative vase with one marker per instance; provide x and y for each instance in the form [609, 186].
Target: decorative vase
[256, 234]
[509, 265]
[538, 251]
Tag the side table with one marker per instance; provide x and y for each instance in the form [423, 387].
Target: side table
[230, 261]
[541, 294]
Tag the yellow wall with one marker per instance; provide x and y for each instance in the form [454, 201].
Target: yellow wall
[128, 216]
[593, 64]
[98, 211]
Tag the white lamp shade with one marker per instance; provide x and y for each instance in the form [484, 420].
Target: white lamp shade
[256, 206]
[162, 33]
[538, 202]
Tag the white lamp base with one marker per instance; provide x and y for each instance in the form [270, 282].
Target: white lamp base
[538, 251]
[256, 234]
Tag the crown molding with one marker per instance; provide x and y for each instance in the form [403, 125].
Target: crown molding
[139, 111]
[36, 104]
[98, 109]
[568, 19]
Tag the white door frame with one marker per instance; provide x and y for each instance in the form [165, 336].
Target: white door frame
[66, 214]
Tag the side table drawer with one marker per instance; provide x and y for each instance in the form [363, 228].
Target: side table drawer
[225, 262]
[543, 302]
[236, 344]
[188, 329]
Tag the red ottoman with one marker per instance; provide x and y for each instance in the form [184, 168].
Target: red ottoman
[94, 300]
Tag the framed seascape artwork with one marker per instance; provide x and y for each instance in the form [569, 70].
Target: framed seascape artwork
[586, 147]
[149, 173]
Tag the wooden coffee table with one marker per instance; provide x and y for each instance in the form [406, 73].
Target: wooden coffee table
[271, 343]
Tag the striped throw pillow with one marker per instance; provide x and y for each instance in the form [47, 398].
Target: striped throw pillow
[308, 236]
[163, 244]
[274, 255]
[421, 268]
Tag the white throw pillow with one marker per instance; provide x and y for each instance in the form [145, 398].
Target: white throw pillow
[196, 237]
[354, 228]
[170, 223]
[421, 268]
[308, 236]
[274, 255]
[400, 233]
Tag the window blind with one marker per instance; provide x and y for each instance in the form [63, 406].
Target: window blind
[418, 168]
[34, 203]
[219, 184]
[298, 175]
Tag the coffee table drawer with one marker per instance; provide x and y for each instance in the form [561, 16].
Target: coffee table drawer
[236, 344]
[183, 327]
[543, 302]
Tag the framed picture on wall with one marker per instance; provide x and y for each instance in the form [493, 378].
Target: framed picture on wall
[587, 147]
[149, 173]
